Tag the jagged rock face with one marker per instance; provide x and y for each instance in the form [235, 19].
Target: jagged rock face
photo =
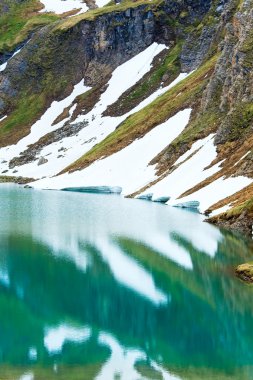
[197, 44]
[233, 76]
[239, 77]
[92, 49]
[193, 9]
[89, 50]
[194, 51]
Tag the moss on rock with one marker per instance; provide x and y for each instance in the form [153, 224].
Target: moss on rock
[245, 272]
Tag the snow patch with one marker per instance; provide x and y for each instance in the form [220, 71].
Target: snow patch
[216, 191]
[245, 155]
[44, 124]
[220, 210]
[2, 118]
[124, 77]
[189, 173]
[101, 3]
[62, 6]
[127, 168]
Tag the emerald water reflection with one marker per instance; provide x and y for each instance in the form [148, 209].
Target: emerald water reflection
[100, 287]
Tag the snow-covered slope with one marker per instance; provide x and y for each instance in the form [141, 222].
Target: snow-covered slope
[129, 168]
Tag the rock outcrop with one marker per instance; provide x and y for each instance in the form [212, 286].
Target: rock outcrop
[245, 272]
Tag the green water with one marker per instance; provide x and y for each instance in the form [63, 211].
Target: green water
[101, 287]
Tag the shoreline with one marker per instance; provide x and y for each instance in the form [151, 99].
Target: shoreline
[241, 222]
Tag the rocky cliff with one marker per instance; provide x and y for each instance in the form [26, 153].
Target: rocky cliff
[173, 74]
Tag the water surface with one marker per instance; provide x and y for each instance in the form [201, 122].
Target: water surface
[101, 287]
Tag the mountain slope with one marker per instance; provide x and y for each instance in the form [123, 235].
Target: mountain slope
[153, 96]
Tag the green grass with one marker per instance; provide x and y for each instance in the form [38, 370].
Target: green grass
[19, 22]
[12, 179]
[246, 48]
[238, 123]
[238, 210]
[171, 66]
[26, 112]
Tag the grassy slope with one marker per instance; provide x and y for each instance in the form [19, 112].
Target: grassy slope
[15, 27]
[246, 206]
[19, 22]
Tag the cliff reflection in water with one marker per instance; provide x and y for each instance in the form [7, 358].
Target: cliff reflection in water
[105, 286]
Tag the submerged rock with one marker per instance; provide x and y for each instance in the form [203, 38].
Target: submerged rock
[245, 272]
[95, 189]
[191, 204]
[162, 199]
[145, 197]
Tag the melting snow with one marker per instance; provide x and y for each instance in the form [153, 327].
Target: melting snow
[220, 210]
[101, 3]
[189, 173]
[62, 6]
[216, 191]
[2, 118]
[126, 168]
[44, 125]
[99, 127]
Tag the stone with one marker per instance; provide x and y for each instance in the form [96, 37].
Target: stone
[42, 161]
[245, 272]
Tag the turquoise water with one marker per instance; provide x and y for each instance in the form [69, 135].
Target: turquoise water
[101, 287]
